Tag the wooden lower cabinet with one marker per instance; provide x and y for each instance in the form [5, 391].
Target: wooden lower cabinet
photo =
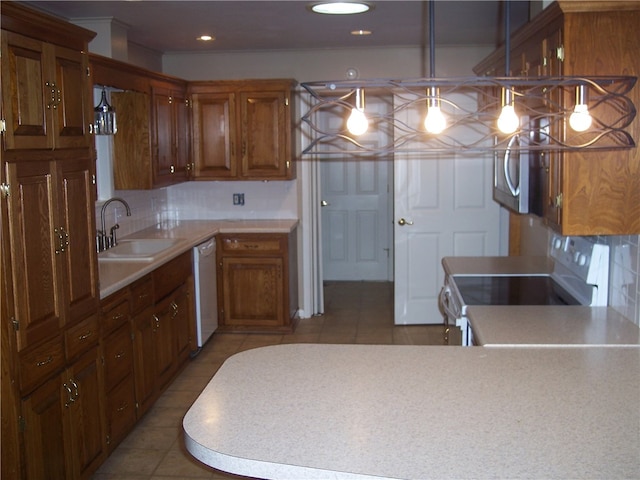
[63, 422]
[257, 282]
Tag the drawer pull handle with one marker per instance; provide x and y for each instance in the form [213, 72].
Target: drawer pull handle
[117, 316]
[251, 246]
[157, 321]
[70, 398]
[119, 355]
[45, 362]
[76, 394]
[85, 336]
[122, 407]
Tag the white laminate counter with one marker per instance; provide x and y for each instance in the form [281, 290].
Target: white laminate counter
[415, 412]
[551, 326]
[116, 275]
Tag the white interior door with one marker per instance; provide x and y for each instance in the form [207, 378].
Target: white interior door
[357, 209]
[447, 207]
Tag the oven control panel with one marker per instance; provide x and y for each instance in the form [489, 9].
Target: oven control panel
[583, 258]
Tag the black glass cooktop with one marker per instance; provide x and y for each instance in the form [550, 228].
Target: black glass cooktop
[512, 291]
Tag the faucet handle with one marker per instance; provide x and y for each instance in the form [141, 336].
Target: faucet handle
[112, 235]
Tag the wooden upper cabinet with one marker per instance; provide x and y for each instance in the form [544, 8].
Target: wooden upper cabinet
[46, 95]
[170, 135]
[585, 192]
[242, 130]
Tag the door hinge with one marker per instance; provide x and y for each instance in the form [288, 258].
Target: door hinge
[108, 439]
[3, 126]
[288, 164]
[93, 179]
[286, 101]
[560, 53]
[88, 72]
[4, 190]
[16, 324]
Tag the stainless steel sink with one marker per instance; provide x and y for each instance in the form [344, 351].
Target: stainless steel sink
[139, 249]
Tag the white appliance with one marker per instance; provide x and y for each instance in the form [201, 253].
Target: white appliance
[580, 277]
[204, 273]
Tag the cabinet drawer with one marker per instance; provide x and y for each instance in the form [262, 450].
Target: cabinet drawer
[118, 356]
[82, 336]
[171, 275]
[115, 311]
[246, 244]
[141, 294]
[39, 363]
[121, 412]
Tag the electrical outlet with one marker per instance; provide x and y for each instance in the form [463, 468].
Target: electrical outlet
[238, 198]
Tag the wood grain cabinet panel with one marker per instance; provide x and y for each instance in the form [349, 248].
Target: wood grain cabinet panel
[242, 130]
[46, 93]
[257, 282]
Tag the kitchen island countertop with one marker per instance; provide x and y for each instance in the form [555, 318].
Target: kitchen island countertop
[415, 412]
[116, 275]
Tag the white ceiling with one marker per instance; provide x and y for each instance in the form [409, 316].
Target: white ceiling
[172, 26]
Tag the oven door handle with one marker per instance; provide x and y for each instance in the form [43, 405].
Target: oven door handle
[446, 306]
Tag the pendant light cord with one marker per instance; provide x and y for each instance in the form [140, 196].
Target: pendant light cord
[432, 39]
[507, 37]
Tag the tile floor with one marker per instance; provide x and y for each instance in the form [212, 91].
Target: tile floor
[355, 312]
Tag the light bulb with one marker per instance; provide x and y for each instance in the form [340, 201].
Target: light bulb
[357, 124]
[508, 121]
[435, 122]
[580, 119]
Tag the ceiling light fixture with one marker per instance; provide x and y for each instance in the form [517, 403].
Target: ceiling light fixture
[481, 114]
[360, 33]
[206, 38]
[435, 122]
[340, 8]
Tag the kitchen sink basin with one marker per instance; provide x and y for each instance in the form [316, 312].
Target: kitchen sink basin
[139, 249]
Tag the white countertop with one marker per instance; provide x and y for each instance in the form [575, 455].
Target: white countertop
[551, 326]
[415, 412]
[116, 275]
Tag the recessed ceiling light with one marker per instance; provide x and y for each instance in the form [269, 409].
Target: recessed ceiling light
[206, 38]
[361, 32]
[340, 8]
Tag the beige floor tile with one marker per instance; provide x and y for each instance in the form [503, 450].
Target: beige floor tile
[125, 461]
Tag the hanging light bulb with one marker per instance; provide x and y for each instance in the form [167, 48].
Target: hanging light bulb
[508, 121]
[357, 124]
[580, 119]
[104, 122]
[435, 122]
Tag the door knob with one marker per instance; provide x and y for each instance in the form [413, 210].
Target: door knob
[324, 203]
[402, 222]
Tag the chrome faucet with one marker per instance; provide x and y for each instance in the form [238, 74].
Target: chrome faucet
[104, 241]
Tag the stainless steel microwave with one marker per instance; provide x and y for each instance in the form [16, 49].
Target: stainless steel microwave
[518, 172]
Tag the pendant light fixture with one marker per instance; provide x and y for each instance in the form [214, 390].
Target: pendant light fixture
[435, 122]
[481, 112]
[104, 122]
[508, 121]
[357, 124]
[580, 119]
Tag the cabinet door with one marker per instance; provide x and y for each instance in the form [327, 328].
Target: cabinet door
[164, 341]
[181, 323]
[72, 104]
[36, 256]
[252, 292]
[78, 235]
[86, 414]
[182, 136]
[214, 135]
[163, 163]
[45, 451]
[144, 359]
[26, 104]
[265, 135]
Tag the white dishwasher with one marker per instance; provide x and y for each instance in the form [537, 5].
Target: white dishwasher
[204, 272]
